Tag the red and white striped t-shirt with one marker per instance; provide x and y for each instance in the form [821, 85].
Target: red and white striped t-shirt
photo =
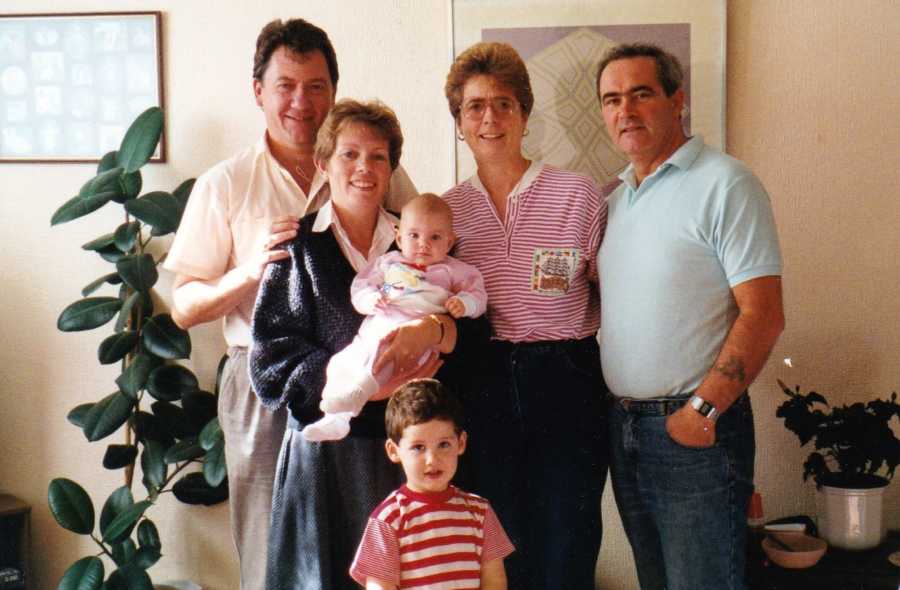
[436, 541]
[540, 263]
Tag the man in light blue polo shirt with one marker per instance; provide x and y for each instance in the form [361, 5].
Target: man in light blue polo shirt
[691, 307]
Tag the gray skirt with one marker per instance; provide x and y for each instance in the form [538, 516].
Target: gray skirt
[322, 498]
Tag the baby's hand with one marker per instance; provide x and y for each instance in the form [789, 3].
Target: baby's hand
[455, 307]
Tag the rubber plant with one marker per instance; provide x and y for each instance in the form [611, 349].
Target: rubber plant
[168, 423]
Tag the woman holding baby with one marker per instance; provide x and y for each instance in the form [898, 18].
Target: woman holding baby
[324, 492]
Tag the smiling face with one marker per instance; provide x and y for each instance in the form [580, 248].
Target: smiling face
[359, 170]
[640, 118]
[429, 453]
[424, 237]
[491, 120]
[295, 93]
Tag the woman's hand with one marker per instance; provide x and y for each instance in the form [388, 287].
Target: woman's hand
[400, 379]
[404, 346]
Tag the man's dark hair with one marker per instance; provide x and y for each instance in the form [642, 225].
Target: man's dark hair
[420, 401]
[298, 36]
[669, 73]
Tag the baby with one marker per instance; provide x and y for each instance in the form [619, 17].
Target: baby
[419, 280]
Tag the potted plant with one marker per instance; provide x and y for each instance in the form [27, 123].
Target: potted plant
[169, 424]
[855, 455]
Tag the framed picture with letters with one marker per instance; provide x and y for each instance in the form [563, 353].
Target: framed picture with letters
[71, 84]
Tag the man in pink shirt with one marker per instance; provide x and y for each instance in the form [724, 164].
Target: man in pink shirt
[238, 213]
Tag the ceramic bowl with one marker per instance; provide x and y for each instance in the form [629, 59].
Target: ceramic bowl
[805, 551]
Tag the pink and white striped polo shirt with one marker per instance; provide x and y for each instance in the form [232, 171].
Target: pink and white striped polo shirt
[540, 263]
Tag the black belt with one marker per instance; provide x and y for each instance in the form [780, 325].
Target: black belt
[651, 407]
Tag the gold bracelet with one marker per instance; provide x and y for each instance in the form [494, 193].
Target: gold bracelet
[440, 325]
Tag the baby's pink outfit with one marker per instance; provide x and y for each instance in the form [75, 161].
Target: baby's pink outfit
[410, 291]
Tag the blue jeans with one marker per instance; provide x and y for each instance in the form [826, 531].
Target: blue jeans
[537, 452]
[684, 510]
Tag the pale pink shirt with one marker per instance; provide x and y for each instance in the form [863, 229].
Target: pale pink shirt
[229, 215]
[540, 262]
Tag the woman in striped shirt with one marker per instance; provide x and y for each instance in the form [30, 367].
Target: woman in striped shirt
[537, 420]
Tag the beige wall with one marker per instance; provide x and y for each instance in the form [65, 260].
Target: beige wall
[810, 109]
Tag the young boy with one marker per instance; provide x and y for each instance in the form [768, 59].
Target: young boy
[429, 533]
[419, 280]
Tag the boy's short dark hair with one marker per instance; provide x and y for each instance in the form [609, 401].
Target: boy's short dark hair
[420, 401]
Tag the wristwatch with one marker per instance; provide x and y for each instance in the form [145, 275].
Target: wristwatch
[706, 409]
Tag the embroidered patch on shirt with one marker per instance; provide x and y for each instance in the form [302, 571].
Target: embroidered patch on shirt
[401, 279]
[553, 269]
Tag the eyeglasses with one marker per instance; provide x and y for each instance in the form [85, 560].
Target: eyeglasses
[503, 107]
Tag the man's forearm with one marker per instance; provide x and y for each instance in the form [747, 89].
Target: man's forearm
[749, 343]
[196, 301]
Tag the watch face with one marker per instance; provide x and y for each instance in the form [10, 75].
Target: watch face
[702, 406]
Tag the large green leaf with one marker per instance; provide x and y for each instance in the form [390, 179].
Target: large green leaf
[138, 271]
[89, 313]
[130, 186]
[99, 243]
[148, 427]
[115, 347]
[129, 577]
[146, 557]
[125, 312]
[134, 377]
[200, 407]
[79, 206]
[154, 466]
[193, 489]
[170, 382]
[164, 339]
[118, 502]
[147, 534]
[126, 235]
[71, 506]
[214, 470]
[119, 456]
[107, 162]
[124, 522]
[77, 414]
[124, 553]
[211, 434]
[85, 574]
[183, 191]
[107, 416]
[112, 278]
[104, 182]
[158, 209]
[140, 140]
[110, 253]
[184, 450]
[175, 419]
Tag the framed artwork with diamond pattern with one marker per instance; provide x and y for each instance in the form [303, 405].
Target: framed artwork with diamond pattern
[562, 42]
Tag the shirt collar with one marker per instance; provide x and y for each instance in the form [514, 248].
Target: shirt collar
[683, 158]
[531, 173]
[381, 240]
[318, 188]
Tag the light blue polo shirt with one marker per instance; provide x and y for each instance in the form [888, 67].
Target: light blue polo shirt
[674, 247]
